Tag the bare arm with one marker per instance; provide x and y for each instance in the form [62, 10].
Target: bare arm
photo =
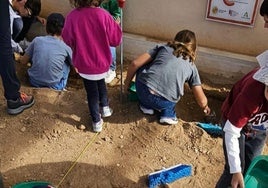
[24, 59]
[134, 66]
[41, 20]
[201, 98]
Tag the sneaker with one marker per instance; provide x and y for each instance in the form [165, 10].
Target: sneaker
[110, 76]
[169, 121]
[106, 111]
[17, 106]
[146, 110]
[24, 43]
[97, 127]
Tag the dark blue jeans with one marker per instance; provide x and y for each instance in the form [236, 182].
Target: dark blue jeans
[17, 27]
[250, 147]
[113, 52]
[97, 97]
[151, 101]
[10, 81]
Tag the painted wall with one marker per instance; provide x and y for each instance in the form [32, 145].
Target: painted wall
[163, 19]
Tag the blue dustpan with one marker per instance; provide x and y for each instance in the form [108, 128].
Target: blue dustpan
[211, 128]
[257, 173]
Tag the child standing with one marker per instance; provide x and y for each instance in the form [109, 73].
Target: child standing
[51, 57]
[90, 31]
[112, 7]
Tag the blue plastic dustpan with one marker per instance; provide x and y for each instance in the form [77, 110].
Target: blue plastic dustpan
[257, 173]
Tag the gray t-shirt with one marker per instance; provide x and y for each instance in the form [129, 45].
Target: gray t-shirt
[48, 55]
[166, 74]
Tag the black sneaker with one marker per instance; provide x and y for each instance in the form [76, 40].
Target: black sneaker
[17, 106]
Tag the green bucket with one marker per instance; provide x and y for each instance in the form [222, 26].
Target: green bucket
[132, 95]
[33, 184]
[257, 173]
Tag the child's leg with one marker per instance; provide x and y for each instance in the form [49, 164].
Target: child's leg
[254, 147]
[63, 82]
[102, 93]
[152, 101]
[91, 87]
[17, 27]
[113, 52]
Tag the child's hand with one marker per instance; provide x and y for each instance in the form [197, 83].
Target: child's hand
[211, 117]
[41, 20]
[117, 20]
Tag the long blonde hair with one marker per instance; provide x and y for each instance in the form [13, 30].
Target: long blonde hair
[184, 45]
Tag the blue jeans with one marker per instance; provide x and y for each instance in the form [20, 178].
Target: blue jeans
[151, 101]
[250, 147]
[10, 81]
[59, 86]
[97, 96]
[113, 52]
[17, 27]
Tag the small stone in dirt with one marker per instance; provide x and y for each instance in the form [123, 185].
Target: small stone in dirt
[23, 129]
[99, 142]
[82, 127]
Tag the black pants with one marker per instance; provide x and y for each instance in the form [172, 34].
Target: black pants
[10, 81]
[97, 97]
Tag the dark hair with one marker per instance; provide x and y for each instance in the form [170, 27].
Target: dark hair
[184, 44]
[34, 6]
[85, 3]
[55, 23]
[264, 8]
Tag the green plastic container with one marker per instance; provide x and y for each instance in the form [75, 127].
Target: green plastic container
[257, 173]
[31, 184]
[132, 95]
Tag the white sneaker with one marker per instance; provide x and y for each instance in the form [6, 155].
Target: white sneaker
[24, 43]
[170, 121]
[110, 76]
[97, 127]
[146, 110]
[106, 111]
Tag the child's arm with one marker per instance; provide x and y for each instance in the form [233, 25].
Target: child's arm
[41, 20]
[24, 59]
[134, 66]
[201, 98]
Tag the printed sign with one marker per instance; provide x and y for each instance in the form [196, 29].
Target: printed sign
[238, 12]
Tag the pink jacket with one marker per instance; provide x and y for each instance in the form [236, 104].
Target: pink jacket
[90, 32]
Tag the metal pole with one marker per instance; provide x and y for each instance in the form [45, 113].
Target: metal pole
[121, 57]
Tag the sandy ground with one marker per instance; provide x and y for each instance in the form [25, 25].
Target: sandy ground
[45, 143]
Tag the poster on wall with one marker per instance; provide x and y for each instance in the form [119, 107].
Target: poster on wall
[238, 12]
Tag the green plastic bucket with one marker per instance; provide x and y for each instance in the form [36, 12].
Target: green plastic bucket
[257, 173]
[132, 95]
[32, 184]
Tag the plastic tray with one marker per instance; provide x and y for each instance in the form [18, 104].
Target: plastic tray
[257, 173]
